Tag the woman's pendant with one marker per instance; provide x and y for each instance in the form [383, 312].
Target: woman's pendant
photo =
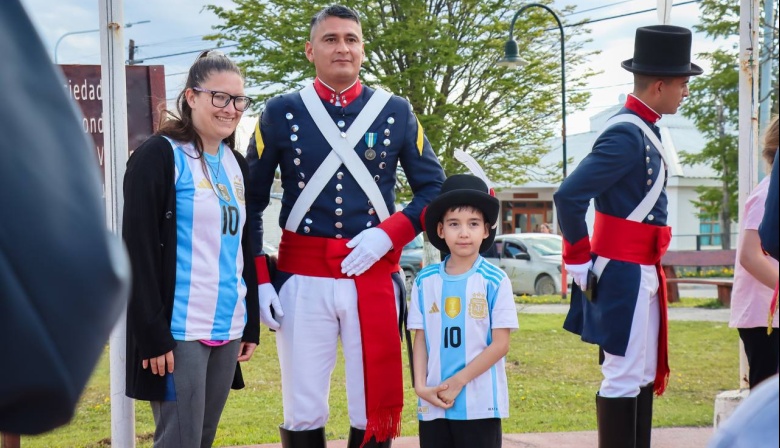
[224, 193]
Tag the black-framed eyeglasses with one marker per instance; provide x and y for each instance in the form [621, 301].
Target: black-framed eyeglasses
[222, 99]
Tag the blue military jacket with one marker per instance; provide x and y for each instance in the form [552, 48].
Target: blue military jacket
[289, 139]
[618, 173]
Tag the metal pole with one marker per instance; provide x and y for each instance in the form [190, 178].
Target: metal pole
[564, 282]
[748, 109]
[56, 45]
[115, 141]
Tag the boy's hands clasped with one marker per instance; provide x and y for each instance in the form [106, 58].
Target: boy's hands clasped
[432, 394]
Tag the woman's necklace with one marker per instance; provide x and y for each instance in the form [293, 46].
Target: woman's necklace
[221, 190]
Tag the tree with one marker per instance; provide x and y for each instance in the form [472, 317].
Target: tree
[714, 107]
[440, 55]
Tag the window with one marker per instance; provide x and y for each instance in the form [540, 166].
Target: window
[709, 231]
[512, 250]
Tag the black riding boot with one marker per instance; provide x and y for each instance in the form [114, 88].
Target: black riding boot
[313, 438]
[616, 421]
[644, 416]
[356, 438]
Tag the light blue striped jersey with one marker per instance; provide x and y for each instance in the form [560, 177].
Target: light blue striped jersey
[209, 299]
[458, 314]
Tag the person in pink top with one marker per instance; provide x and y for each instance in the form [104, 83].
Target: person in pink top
[755, 278]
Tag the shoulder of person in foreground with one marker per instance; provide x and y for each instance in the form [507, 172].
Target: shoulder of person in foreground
[754, 423]
[63, 276]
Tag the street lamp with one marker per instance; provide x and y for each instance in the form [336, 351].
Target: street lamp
[127, 25]
[512, 59]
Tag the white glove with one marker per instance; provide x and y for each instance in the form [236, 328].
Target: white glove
[369, 246]
[579, 273]
[269, 299]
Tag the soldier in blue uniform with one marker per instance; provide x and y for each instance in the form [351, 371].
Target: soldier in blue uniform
[625, 172]
[338, 144]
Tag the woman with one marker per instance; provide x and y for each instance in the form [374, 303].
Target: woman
[755, 278]
[193, 311]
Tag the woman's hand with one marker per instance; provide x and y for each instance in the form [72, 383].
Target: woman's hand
[246, 351]
[158, 364]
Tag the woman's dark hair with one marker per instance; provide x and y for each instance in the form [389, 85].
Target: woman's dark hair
[178, 126]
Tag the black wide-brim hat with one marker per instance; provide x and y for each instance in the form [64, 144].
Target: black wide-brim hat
[662, 50]
[458, 190]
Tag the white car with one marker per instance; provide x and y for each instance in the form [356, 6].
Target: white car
[531, 260]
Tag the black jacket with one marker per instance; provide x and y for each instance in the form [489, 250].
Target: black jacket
[149, 231]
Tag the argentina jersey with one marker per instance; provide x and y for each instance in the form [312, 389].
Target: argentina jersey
[457, 314]
[209, 298]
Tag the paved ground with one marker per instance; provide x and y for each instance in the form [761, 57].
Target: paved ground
[662, 437]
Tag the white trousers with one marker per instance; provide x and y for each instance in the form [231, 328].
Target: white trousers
[317, 311]
[624, 375]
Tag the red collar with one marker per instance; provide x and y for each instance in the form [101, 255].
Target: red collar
[644, 111]
[343, 98]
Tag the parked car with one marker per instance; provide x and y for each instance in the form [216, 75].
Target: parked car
[411, 260]
[531, 260]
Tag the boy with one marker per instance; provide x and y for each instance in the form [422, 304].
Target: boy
[463, 310]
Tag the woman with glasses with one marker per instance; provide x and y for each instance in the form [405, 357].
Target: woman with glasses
[193, 312]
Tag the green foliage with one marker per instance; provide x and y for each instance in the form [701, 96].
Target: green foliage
[553, 378]
[441, 56]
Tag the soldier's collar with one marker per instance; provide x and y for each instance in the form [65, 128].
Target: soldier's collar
[343, 98]
[639, 107]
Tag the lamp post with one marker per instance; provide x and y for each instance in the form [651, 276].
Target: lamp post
[71, 33]
[512, 59]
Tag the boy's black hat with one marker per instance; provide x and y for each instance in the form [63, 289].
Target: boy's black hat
[662, 50]
[457, 190]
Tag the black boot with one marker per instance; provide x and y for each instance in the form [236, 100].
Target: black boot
[356, 438]
[644, 416]
[616, 421]
[313, 438]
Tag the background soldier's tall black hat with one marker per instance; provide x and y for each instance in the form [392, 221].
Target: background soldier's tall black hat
[458, 190]
[662, 50]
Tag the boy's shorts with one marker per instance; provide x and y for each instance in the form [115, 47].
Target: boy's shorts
[443, 433]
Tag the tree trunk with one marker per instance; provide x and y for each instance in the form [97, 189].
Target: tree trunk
[725, 206]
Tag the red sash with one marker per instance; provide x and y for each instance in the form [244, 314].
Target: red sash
[635, 242]
[382, 368]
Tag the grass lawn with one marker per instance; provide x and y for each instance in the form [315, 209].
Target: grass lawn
[553, 378]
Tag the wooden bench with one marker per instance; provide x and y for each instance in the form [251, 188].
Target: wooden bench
[698, 258]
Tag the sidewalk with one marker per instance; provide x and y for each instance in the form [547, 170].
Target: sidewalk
[662, 438]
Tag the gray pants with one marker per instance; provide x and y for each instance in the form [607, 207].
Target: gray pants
[202, 377]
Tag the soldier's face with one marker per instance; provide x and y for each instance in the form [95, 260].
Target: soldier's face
[336, 49]
[673, 92]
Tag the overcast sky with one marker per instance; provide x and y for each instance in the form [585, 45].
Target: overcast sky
[177, 26]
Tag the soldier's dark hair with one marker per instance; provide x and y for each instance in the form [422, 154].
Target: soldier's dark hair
[340, 11]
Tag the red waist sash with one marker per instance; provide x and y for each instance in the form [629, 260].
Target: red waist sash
[624, 240]
[382, 369]
[635, 242]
